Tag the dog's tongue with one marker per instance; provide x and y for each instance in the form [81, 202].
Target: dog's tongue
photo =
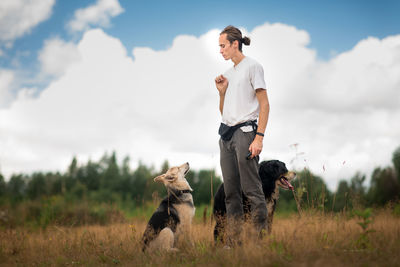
[288, 184]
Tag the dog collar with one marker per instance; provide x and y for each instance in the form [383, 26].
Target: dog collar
[177, 193]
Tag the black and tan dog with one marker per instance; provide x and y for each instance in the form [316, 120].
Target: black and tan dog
[174, 216]
[273, 174]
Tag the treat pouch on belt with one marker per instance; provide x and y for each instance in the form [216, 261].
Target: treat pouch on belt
[226, 132]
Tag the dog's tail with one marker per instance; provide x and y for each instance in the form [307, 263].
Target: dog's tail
[148, 235]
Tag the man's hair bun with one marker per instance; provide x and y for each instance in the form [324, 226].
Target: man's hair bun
[246, 40]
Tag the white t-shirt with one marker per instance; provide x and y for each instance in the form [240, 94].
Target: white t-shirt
[240, 103]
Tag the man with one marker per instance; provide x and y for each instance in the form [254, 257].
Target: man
[243, 99]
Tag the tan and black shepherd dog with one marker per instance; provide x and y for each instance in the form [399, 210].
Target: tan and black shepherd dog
[173, 218]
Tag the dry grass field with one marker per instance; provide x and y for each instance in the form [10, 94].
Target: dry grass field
[310, 240]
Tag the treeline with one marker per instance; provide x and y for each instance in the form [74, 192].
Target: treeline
[312, 192]
[95, 192]
[98, 191]
[102, 181]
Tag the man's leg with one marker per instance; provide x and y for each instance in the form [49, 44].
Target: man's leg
[250, 180]
[233, 192]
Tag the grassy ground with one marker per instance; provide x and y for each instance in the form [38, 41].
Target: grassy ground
[310, 240]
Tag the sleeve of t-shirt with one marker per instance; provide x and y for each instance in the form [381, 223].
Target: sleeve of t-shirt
[257, 77]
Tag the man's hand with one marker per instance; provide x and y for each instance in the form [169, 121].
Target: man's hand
[256, 146]
[221, 83]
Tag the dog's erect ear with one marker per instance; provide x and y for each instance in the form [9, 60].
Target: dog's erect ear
[170, 178]
[165, 177]
[159, 178]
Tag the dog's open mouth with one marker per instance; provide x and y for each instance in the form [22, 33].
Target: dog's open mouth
[285, 181]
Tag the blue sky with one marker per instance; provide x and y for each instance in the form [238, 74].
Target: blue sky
[332, 68]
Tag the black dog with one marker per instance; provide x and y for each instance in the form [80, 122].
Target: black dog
[273, 174]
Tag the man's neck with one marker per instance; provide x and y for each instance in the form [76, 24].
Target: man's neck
[237, 58]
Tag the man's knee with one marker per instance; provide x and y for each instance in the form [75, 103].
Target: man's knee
[233, 199]
[255, 196]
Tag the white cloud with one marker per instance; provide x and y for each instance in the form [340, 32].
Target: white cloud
[57, 56]
[18, 17]
[163, 105]
[6, 80]
[98, 14]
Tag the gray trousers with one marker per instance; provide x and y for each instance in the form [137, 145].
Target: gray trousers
[241, 175]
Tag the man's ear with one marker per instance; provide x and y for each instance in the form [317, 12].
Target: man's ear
[236, 44]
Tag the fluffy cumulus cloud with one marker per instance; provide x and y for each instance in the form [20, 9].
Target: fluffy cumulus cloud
[56, 56]
[6, 80]
[98, 14]
[18, 17]
[157, 105]
[108, 101]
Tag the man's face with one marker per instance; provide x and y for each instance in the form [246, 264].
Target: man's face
[226, 48]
